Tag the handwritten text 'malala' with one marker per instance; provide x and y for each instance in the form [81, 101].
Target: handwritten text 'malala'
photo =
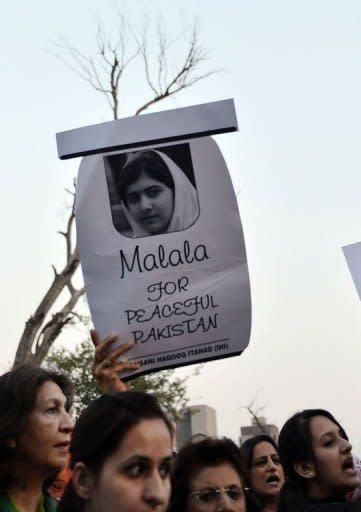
[162, 258]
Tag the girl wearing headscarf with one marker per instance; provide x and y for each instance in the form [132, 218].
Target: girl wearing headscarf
[157, 197]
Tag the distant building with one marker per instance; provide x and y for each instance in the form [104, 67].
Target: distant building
[259, 426]
[198, 419]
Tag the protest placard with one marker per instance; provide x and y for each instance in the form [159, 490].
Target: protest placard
[162, 250]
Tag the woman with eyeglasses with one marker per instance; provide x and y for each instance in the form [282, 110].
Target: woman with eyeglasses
[263, 473]
[316, 456]
[207, 476]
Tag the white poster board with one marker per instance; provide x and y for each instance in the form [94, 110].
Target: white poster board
[183, 296]
[159, 234]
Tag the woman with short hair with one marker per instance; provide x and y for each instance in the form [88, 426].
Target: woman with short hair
[207, 476]
[35, 431]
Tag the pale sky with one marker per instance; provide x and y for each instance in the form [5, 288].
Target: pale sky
[293, 69]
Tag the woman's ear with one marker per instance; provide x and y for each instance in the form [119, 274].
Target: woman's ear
[305, 469]
[83, 480]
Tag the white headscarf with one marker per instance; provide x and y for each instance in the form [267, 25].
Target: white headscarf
[185, 200]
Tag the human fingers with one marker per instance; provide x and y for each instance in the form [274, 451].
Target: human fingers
[94, 337]
[124, 347]
[103, 346]
[125, 365]
[109, 364]
[108, 374]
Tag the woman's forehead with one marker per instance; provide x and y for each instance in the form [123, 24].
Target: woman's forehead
[321, 425]
[223, 474]
[143, 182]
[263, 448]
[150, 438]
[49, 390]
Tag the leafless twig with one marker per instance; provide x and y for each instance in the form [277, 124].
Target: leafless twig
[40, 332]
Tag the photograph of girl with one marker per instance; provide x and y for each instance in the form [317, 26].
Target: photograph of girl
[150, 194]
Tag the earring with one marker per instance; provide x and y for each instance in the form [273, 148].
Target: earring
[12, 444]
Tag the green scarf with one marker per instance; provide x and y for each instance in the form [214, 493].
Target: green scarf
[47, 504]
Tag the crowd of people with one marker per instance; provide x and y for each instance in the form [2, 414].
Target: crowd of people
[122, 459]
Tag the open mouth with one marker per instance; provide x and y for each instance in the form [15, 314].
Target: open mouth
[273, 479]
[348, 464]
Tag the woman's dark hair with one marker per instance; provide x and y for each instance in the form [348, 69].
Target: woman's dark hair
[195, 456]
[295, 446]
[247, 450]
[18, 392]
[149, 162]
[101, 428]
[254, 502]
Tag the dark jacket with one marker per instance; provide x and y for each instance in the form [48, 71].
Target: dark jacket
[294, 499]
[332, 505]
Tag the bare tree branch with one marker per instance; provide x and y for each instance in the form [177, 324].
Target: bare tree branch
[255, 414]
[54, 327]
[104, 72]
[37, 338]
[184, 76]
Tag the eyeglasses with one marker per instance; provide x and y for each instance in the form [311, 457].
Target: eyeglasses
[212, 495]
